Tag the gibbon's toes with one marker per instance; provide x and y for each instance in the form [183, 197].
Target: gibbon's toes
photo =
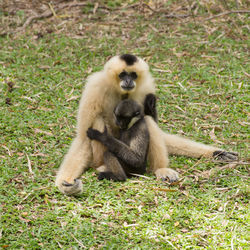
[225, 156]
[109, 176]
[167, 173]
[71, 188]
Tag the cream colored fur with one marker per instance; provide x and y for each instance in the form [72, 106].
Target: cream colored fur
[100, 96]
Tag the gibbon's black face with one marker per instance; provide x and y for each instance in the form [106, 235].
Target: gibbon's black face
[127, 80]
[127, 112]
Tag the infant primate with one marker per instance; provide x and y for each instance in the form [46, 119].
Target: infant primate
[126, 155]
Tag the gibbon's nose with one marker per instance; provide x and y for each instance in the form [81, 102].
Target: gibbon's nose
[128, 83]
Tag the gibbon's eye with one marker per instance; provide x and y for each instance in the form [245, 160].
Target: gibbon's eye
[137, 113]
[122, 75]
[133, 75]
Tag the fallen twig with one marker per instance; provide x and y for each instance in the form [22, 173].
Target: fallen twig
[53, 10]
[29, 165]
[232, 162]
[50, 12]
[212, 171]
[165, 189]
[79, 242]
[139, 175]
[227, 13]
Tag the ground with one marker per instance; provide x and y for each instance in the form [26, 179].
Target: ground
[198, 52]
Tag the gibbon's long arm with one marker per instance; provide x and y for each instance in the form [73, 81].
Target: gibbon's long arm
[92, 103]
[125, 153]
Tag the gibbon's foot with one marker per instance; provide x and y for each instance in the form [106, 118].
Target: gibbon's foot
[71, 188]
[110, 176]
[167, 173]
[225, 156]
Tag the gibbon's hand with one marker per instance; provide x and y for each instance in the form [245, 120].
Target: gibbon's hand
[150, 106]
[94, 134]
[71, 188]
[225, 156]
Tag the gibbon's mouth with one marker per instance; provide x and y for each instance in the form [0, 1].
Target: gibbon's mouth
[127, 85]
[123, 127]
[120, 125]
[128, 88]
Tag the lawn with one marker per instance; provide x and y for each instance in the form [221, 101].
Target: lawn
[201, 68]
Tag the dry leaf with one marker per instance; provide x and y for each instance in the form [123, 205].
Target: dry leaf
[213, 136]
[164, 189]
[167, 216]
[37, 130]
[73, 98]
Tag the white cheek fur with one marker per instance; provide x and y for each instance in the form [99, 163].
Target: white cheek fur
[133, 121]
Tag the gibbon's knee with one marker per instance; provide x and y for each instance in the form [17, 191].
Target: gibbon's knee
[114, 169]
[158, 154]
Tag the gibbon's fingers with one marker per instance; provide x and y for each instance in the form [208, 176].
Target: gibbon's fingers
[167, 173]
[109, 176]
[225, 156]
[93, 134]
[71, 189]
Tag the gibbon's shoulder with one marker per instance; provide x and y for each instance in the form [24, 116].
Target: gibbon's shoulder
[96, 78]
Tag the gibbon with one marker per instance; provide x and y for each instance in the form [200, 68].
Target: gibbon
[123, 77]
[127, 154]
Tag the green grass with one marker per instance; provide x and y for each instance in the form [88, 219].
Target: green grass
[202, 76]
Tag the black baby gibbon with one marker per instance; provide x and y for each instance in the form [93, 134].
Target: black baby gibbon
[127, 154]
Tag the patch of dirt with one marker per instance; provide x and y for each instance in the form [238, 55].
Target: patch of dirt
[74, 17]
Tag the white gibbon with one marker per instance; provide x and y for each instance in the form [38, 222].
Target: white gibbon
[125, 76]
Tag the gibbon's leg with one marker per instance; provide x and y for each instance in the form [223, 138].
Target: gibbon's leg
[112, 170]
[182, 146]
[75, 162]
[81, 154]
[158, 154]
[98, 148]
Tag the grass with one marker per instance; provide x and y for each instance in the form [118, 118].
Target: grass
[202, 74]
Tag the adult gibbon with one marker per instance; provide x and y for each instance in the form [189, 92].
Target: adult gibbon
[127, 154]
[124, 76]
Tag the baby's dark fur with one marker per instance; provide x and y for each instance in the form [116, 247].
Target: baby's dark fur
[126, 155]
